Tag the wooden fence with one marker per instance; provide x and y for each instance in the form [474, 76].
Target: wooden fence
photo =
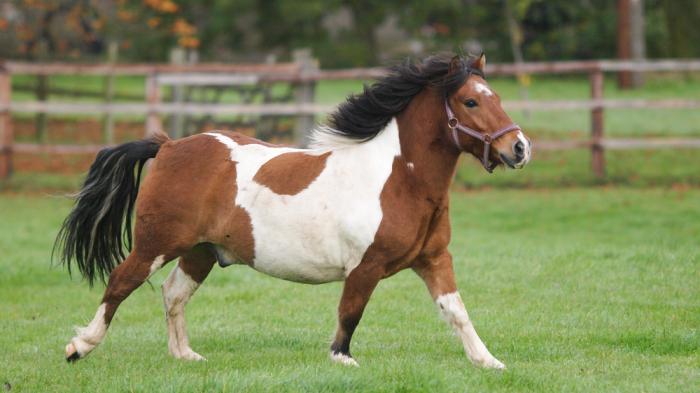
[304, 75]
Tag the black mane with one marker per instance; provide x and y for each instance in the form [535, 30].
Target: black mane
[364, 115]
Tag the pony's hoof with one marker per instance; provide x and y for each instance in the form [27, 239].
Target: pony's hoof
[492, 363]
[194, 356]
[343, 359]
[496, 364]
[71, 353]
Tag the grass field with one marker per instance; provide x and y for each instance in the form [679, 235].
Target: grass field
[576, 290]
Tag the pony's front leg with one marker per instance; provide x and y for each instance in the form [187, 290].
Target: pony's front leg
[438, 275]
[359, 286]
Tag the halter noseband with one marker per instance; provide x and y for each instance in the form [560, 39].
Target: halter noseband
[455, 126]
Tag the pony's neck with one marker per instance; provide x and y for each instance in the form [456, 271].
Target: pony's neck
[426, 145]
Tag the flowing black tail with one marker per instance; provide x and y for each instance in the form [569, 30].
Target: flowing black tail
[98, 229]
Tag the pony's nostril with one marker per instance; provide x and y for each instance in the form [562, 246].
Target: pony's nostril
[519, 148]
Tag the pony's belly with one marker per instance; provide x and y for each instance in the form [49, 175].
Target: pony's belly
[306, 257]
[308, 272]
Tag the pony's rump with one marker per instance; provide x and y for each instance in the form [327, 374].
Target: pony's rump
[97, 231]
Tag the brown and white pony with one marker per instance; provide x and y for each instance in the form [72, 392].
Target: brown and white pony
[370, 198]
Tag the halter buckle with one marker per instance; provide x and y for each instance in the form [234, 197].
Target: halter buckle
[452, 122]
[487, 138]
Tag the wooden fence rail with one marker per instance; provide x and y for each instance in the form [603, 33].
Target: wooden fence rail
[142, 108]
[304, 74]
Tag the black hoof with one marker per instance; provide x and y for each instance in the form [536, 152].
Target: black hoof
[73, 357]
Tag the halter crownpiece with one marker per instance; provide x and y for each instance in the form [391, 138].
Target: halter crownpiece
[454, 125]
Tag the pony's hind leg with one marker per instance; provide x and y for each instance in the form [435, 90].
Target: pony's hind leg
[182, 282]
[123, 280]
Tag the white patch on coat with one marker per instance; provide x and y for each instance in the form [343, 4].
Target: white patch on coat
[177, 290]
[453, 311]
[410, 166]
[89, 337]
[325, 137]
[528, 149]
[343, 359]
[482, 89]
[157, 264]
[321, 233]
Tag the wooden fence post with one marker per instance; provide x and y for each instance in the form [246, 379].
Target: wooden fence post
[304, 93]
[597, 153]
[178, 56]
[153, 124]
[42, 94]
[6, 136]
[108, 118]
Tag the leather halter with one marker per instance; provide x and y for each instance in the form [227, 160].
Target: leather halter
[487, 139]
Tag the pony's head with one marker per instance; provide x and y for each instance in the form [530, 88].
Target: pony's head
[476, 122]
[473, 119]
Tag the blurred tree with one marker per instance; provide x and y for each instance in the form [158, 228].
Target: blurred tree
[148, 29]
[682, 20]
[341, 33]
[71, 29]
[50, 29]
[569, 30]
[515, 11]
[630, 40]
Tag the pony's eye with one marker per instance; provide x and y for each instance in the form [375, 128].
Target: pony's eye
[470, 103]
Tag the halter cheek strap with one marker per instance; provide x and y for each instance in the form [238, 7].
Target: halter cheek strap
[487, 139]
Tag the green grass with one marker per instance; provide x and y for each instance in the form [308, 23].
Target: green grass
[629, 168]
[575, 290]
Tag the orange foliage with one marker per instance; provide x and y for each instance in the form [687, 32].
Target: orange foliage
[164, 6]
[182, 28]
[153, 22]
[168, 7]
[24, 33]
[188, 42]
[98, 24]
[125, 16]
[33, 3]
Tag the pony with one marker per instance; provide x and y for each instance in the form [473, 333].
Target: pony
[369, 198]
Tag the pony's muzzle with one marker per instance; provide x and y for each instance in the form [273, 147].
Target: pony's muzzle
[521, 150]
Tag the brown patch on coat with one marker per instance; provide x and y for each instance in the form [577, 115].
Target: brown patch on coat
[184, 202]
[291, 173]
[415, 201]
[193, 200]
[197, 263]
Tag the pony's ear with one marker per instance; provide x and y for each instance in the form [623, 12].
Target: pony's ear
[456, 64]
[479, 63]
